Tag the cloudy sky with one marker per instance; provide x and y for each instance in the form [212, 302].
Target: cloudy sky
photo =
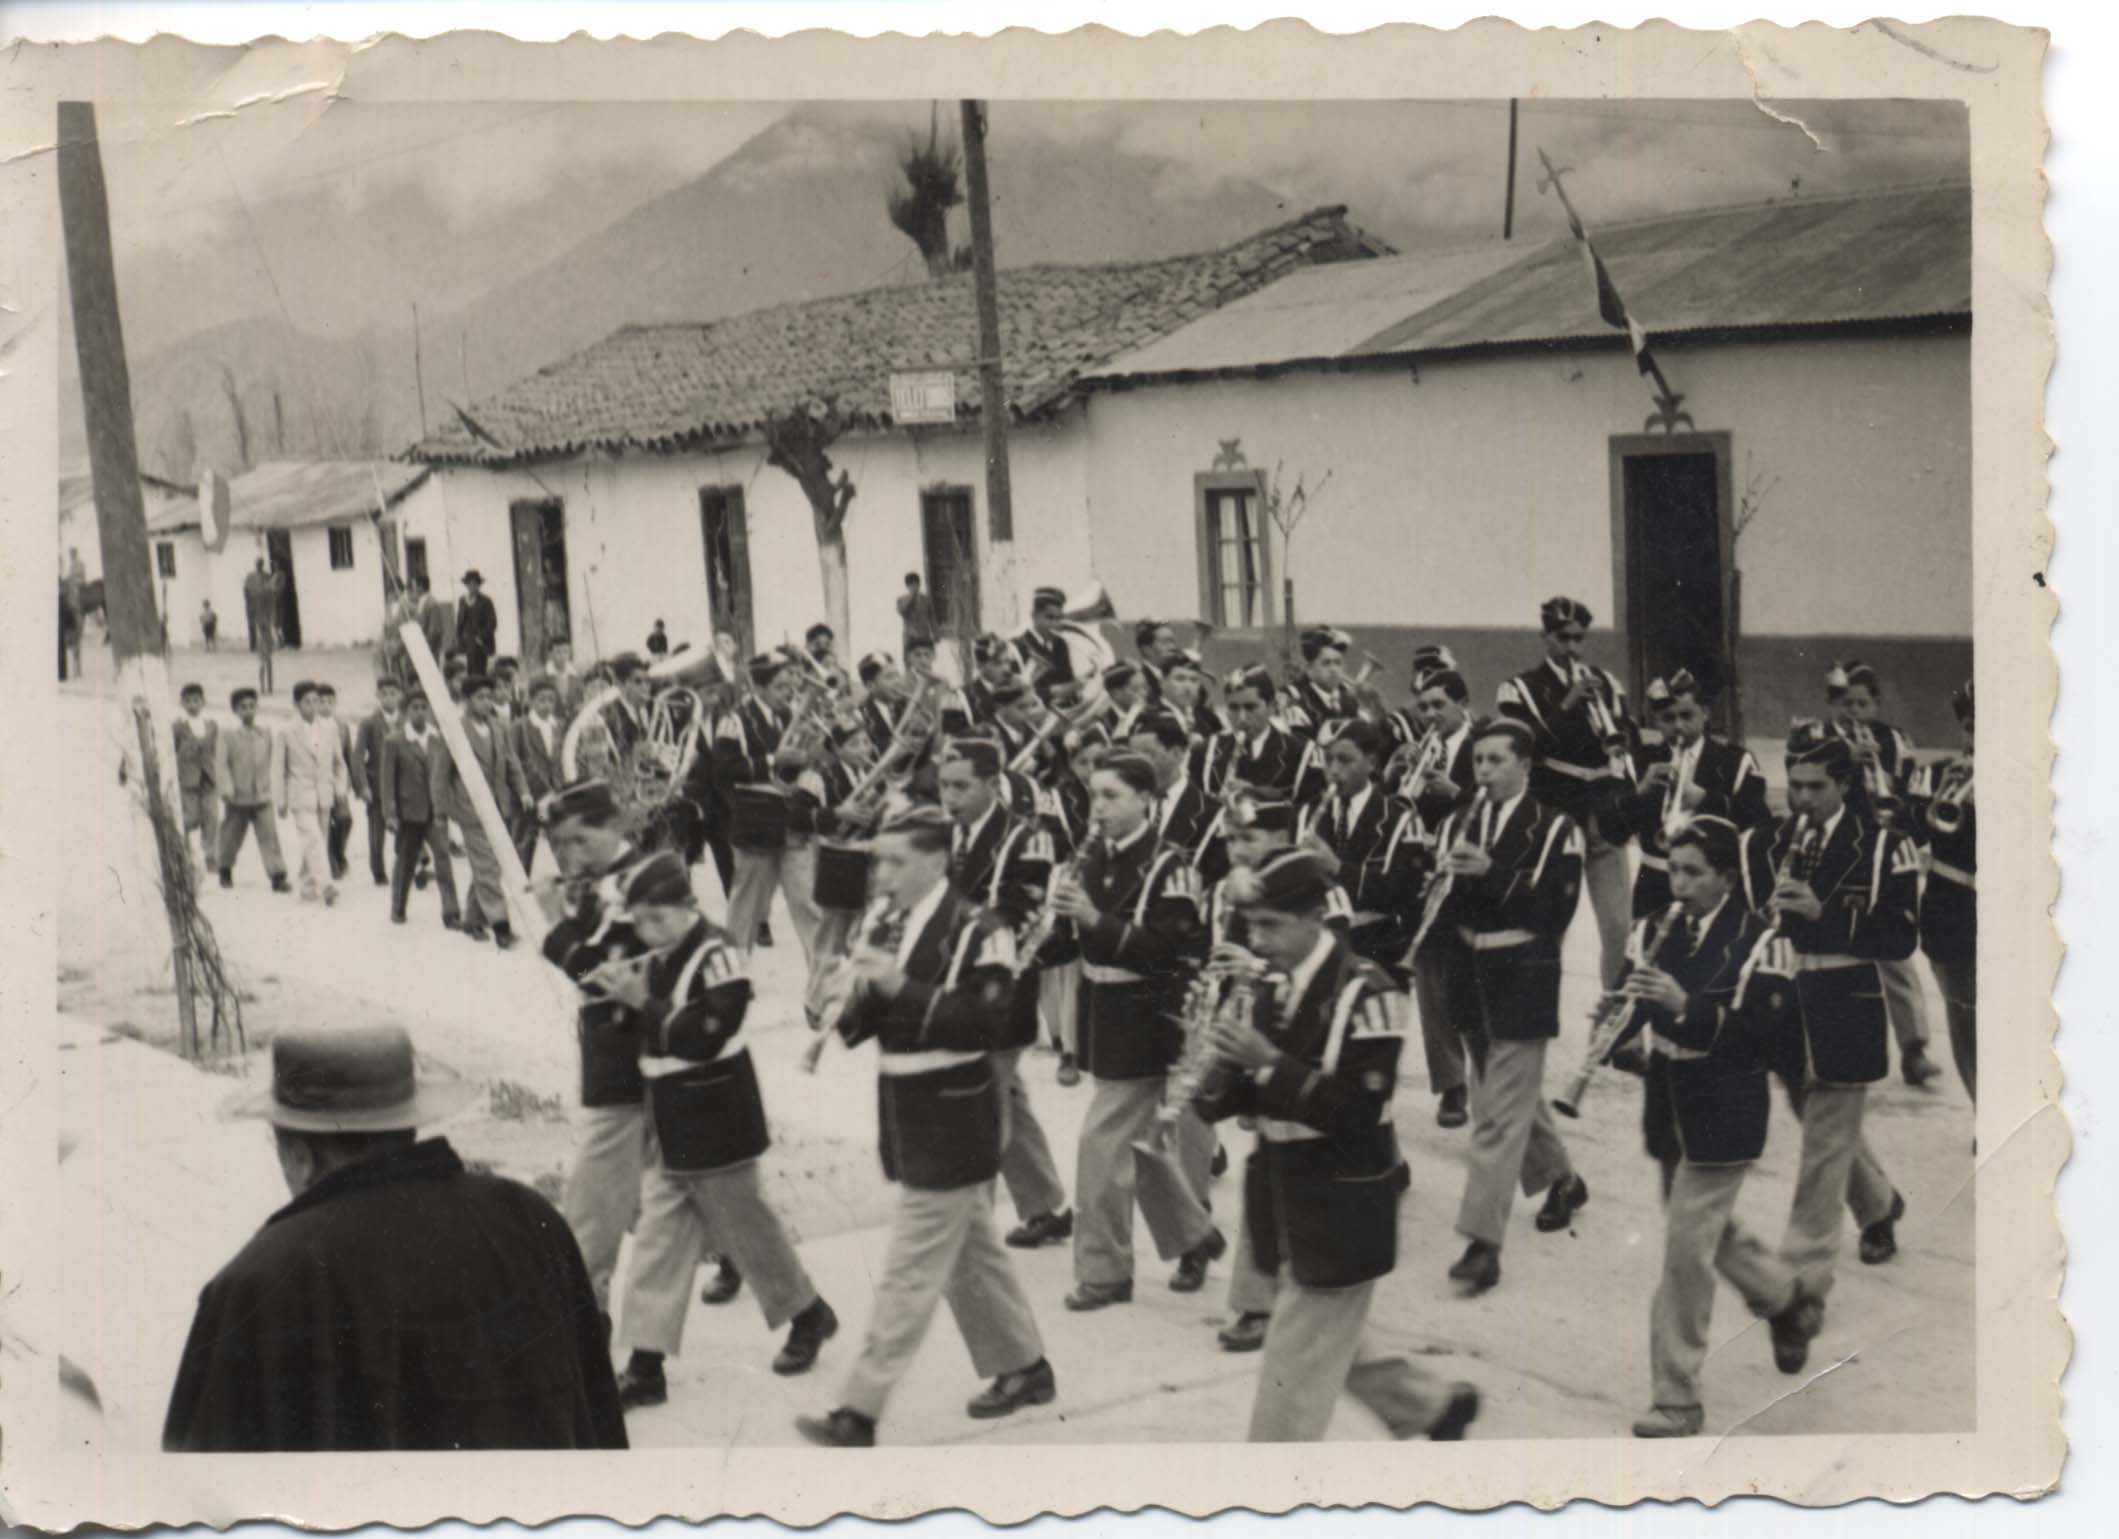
[339, 214]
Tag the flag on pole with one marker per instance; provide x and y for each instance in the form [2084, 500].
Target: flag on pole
[1610, 304]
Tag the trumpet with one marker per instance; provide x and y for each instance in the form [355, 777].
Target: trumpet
[908, 734]
[1371, 664]
[1225, 989]
[1946, 790]
[1687, 760]
[1617, 1018]
[841, 992]
[1409, 765]
[1062, 721]
[1606, 726]
[1440, 886]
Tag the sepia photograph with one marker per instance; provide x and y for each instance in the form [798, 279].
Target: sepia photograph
[1312, 758]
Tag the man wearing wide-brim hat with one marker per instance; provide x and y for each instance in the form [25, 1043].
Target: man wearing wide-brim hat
[477, 624]
[399, 1301]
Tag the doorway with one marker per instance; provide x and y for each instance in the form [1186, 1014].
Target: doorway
[952, 559]
[416, 561]
[725, 534]
[279, 555]
[539, 530]
[1671, 524]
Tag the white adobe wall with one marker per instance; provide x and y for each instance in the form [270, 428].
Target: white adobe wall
[1467, 497]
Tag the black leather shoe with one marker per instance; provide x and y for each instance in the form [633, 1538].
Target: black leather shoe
[1879, 1241]
[475, 932]
[503, 937]
[638, 1388]
[1070, 1072]
[1452, 1112]
[281, 884]
[1792, 1327]
[1088, 1296]
[1045, 1229]
[1460, 1413]
[396, 917]
[451, 922]
[805, 1338]
[1245, 1333]
[724, 1285]
[227, 877]
[1561, 1204]
[1478, 1269]
[1191, 1273]
[841, 1429]
[1012, 1391]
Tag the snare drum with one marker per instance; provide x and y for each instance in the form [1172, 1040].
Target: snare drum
[757, 817]
[842, 874]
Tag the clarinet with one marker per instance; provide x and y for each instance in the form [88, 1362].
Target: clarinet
[1046, 919]
[1617, 1019]
[1439, 888]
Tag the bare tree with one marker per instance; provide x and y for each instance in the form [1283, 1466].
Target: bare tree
[933, 174]
[797, 442]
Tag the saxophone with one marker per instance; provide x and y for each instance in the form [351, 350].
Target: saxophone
[1224, 990]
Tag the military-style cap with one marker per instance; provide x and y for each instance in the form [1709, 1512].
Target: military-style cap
[922, 818]
[591, 799]
[873, 664]
[1251, 676]
[1292, 881]
[1526, 745]
[766, 667]
[1662, 691]
[1319, 639]
[1560, 611]
[1809, 743]
[1054, 597]
[982, 754]
[660, 879]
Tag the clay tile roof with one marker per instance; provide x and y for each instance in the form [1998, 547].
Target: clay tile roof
[665, 388]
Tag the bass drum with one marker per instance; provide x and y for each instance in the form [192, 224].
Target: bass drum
[843, 867]
[757, 817]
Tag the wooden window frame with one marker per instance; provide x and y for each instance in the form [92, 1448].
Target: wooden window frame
[166, 560]
[1207, 540]
[333, 534]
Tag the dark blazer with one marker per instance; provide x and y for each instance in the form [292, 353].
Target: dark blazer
[1706, 1098]
[1138, 957]
[408, 776]
[1279, 761]
[1434, 806]
[1734, 789]
[1383, 867]
[1004, 867]
[376, 730]
[938, 1103]
[1571, 758]
[1191, 821]
[1317, 713]
[496, 761]
[592, 931]
[1531, 892]
[477, 624]
[1946, 817]
[1321, 1192]
[197, 747]
[399, 1303]
[744, 742]
[1869, 880]
[541, 772]
[702, 1089]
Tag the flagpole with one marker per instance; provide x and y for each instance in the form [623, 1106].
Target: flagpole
[1508, 207]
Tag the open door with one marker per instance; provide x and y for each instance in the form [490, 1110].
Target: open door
[952, 559]
[279, 556]
[538, 527]
[726, 536]
[1672, 496]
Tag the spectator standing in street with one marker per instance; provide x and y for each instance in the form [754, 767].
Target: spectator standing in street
[367, 763]
[209, 624]
[415, 823]
[341, 828]
[242, 773]
[658, 640]
[197, 740]
[495, 759]
[437, 622]
[399, 1301]
[261, 597]
[916, 612]
[308, 778]
[538, 737]
[477, 625]
[69, 633]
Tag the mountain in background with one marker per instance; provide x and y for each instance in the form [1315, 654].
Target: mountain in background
[797, 213]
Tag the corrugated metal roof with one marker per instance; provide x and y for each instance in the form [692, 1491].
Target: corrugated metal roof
[665, 387]
[1861, 258]
[295, 494]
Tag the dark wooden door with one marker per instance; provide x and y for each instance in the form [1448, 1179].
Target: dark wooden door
[952, 559]
[1677, 569]
[538, 532]
[416, 562]
[279, 555]
[726, 536]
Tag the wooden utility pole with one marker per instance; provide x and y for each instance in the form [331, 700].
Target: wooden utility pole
[993, 393]
[1508, 207]
[419, 374]
[136, 635]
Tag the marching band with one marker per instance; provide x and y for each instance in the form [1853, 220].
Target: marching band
[1237, 910]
